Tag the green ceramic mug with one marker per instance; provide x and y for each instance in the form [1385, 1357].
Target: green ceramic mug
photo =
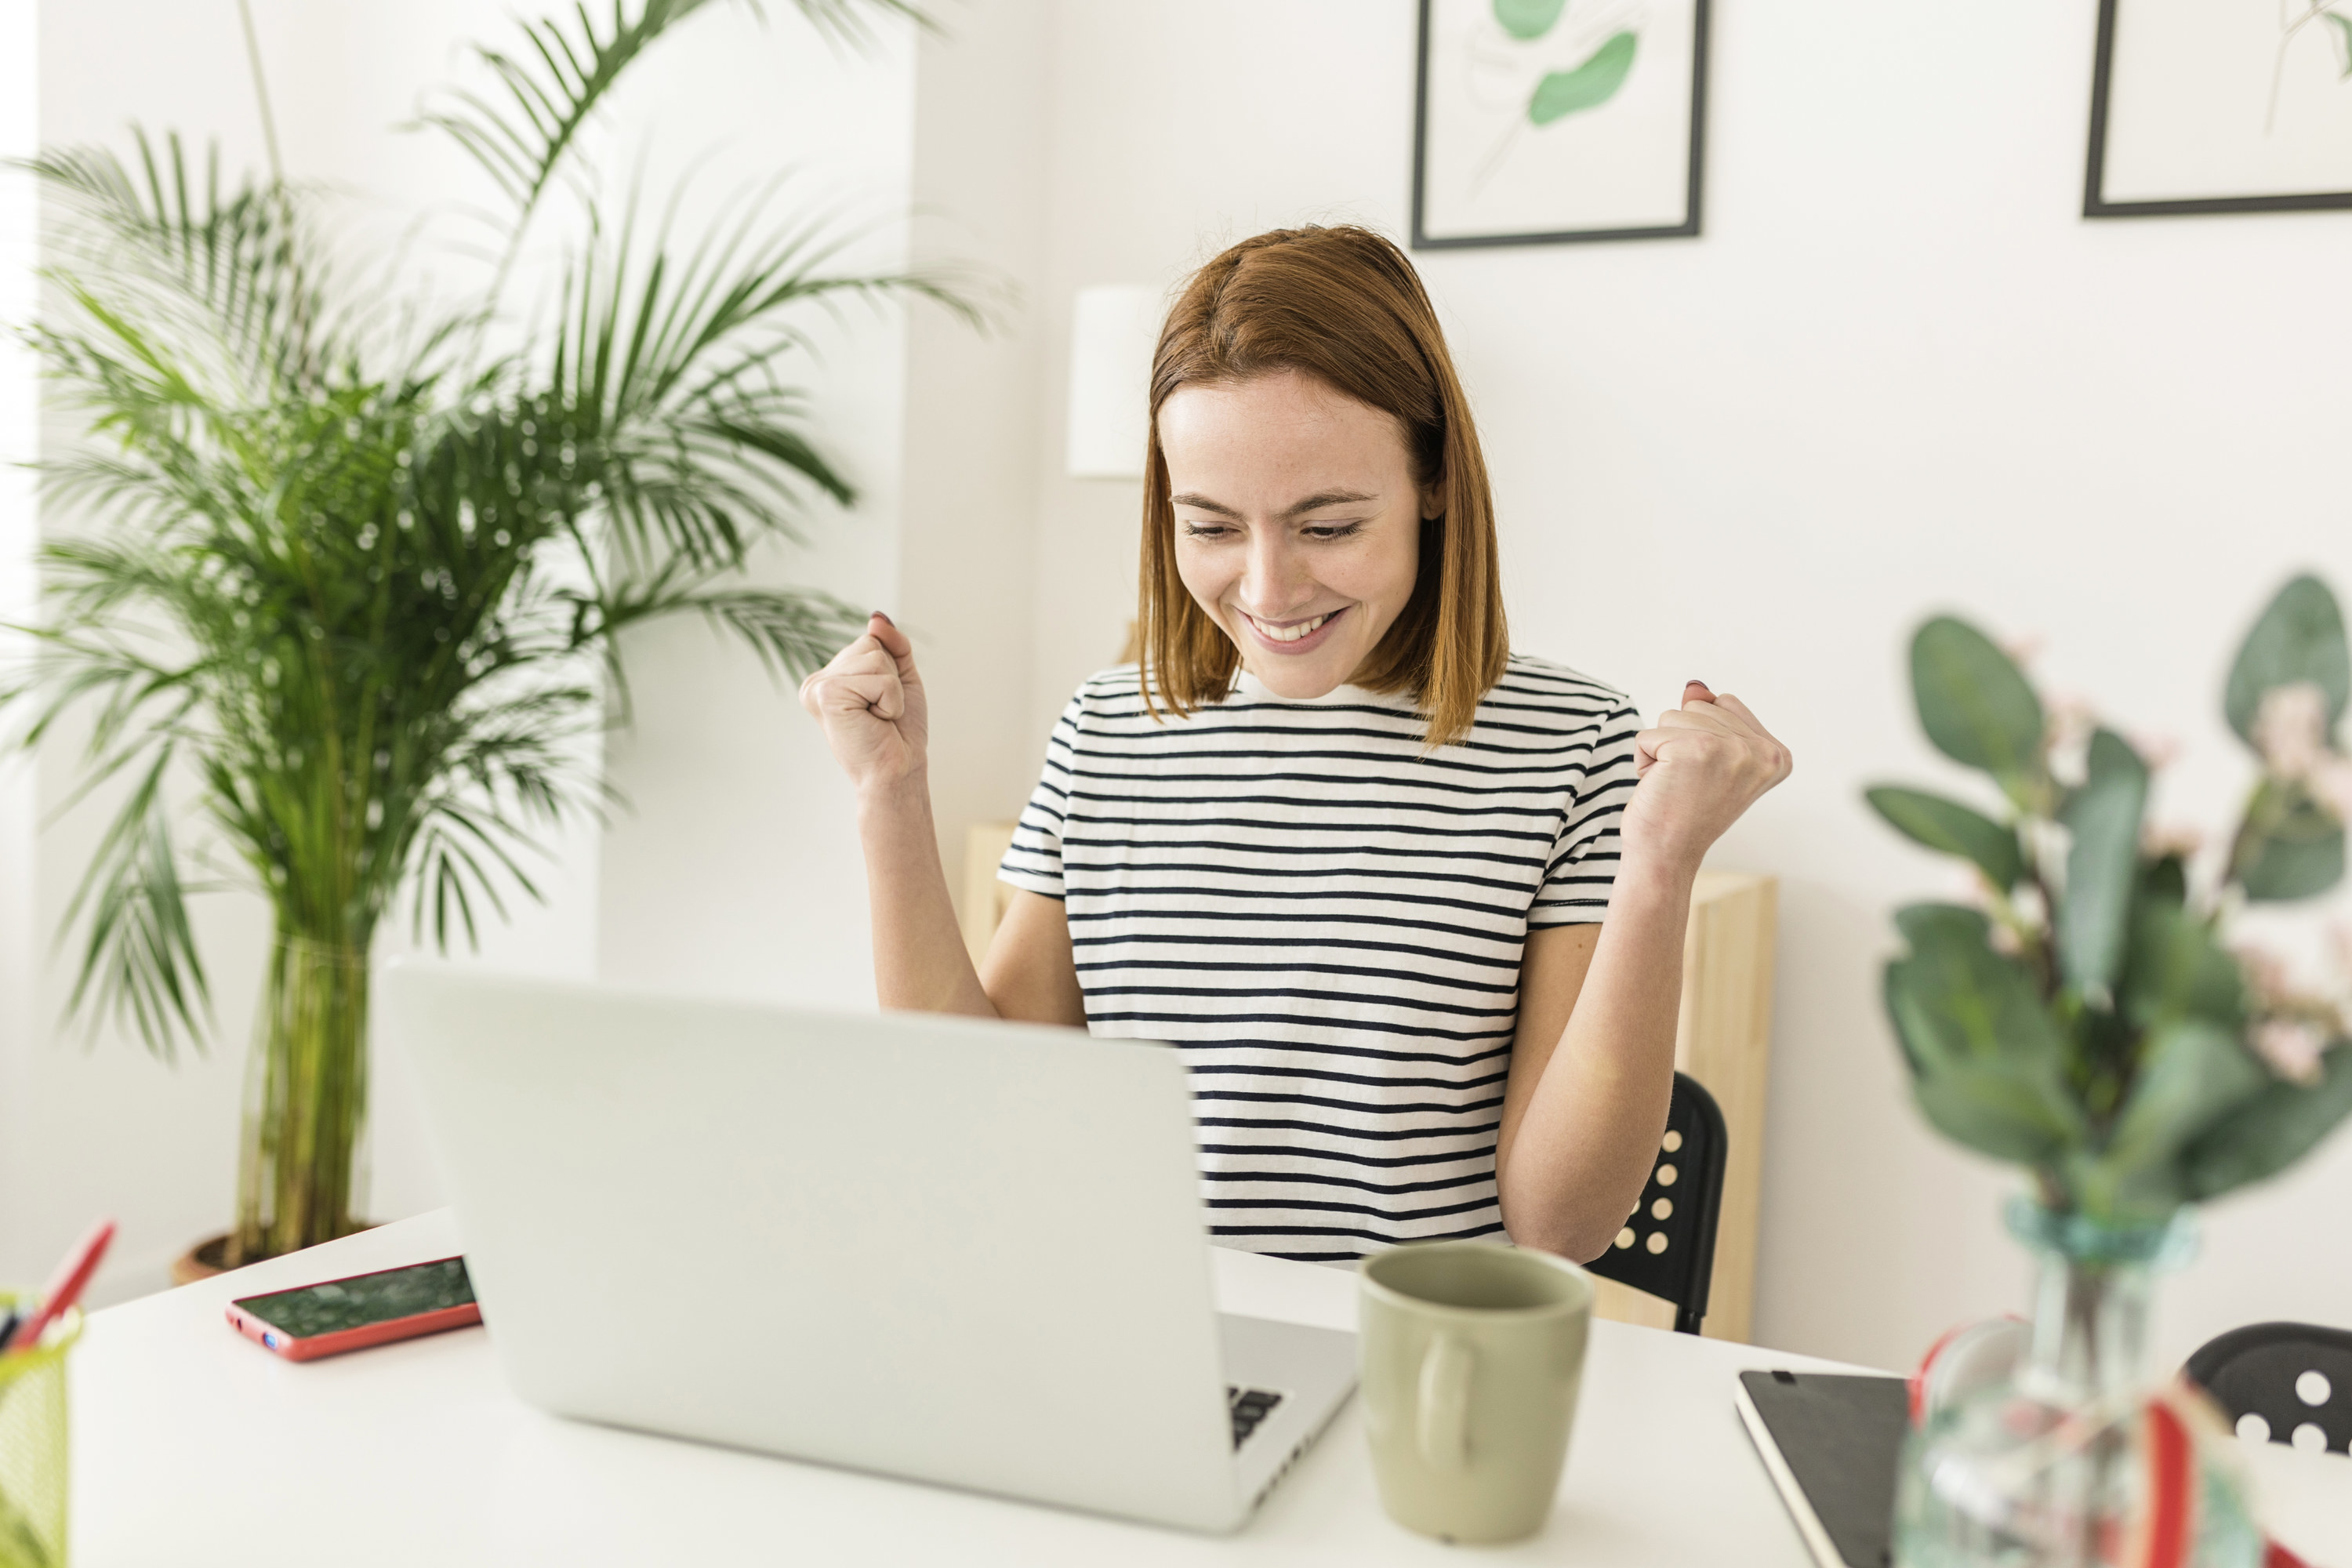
[1472, 1357]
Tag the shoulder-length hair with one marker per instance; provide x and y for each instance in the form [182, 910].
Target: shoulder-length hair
[1343, 305]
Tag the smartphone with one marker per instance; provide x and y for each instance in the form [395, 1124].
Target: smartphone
[360, 1310]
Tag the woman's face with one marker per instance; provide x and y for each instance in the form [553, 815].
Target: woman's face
[1297, 522]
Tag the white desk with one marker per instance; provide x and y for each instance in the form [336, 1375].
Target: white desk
[194, 1447]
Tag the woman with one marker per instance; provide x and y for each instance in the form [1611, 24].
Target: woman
[1341, 848]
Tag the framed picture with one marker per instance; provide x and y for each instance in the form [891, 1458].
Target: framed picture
[1536, 122]
[2205, 108]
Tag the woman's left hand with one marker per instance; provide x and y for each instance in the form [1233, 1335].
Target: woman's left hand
[1701, 767]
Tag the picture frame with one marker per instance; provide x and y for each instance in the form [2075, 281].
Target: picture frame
[2204, 110]
[1538, 123]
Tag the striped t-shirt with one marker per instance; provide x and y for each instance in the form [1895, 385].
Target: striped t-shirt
[1329, 924]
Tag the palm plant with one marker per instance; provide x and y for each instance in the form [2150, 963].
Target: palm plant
[353, 563]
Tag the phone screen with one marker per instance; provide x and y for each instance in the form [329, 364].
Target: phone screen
[363, 1299]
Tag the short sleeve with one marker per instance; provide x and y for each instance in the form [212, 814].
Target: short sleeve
[1034, 861]
[1584, 864]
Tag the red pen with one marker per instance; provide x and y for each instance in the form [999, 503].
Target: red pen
[65, 1288]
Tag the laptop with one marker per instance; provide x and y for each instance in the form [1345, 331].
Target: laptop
[951, 1249]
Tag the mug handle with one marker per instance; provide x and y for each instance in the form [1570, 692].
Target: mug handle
[1445, 1369]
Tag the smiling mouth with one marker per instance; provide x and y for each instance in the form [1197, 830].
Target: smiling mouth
[1282, 633]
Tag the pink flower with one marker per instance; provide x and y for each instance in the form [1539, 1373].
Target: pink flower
[2181, 839]
[2023, 648]
[2339, 941]
[2068, 720]
[2266, 975]
[2331, 785]
[2158, 751]
[2004, 940]
[2292, 1046]
[2291, 729]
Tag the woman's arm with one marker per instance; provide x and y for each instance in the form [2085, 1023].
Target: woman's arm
[1592, 1062]
[870, 701]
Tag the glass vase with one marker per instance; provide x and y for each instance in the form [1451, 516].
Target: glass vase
[306, 1100]
[2044, 1470]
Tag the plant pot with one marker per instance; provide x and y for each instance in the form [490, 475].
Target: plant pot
[202, 1261]
[210, 1257]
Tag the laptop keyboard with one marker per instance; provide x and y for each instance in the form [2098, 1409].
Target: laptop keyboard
[1249, 1406]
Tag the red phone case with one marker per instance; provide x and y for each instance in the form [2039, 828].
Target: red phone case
[271, 1337]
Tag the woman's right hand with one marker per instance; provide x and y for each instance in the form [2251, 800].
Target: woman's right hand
[870, 701]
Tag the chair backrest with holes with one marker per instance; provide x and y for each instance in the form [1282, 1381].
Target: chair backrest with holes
[2282, 1382]
[1667, 1247]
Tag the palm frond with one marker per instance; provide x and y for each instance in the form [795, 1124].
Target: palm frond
[526, 130]
[244, 258]
[139, 964]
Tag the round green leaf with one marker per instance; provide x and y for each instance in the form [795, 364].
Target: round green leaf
[2103, 867]
[2291, 846]
[1999, 1111]
[2192, 1073]
[2271, 1131]
[1953, 829]
[1527, 19]
[1590, 85]
[1974, 702]
[2299, 637]
[2178, 970]
[2282, 869]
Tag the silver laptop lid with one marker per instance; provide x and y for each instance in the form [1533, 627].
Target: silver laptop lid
[947, 1248]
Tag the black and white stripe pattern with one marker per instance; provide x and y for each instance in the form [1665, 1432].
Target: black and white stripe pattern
[1329, 924]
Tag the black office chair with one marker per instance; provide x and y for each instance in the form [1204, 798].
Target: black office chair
[2281, 1382]
[1667, 1247]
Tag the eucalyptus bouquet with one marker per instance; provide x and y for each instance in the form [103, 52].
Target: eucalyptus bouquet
[2088, 1018]
[354, 557]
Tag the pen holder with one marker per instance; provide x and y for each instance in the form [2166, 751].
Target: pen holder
[33, 1448]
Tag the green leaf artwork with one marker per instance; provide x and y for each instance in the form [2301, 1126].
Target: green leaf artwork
[2343, 43]
[1528, 20]
[1590, 85]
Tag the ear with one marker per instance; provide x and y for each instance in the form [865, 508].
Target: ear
[1433, 499]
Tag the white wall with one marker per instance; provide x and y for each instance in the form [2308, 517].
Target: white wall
[732, 870]
[1897, 373]
[737, 870]
[982, 117]
[19, 135]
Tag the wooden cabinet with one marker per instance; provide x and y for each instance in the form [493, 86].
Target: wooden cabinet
[1724, 1041]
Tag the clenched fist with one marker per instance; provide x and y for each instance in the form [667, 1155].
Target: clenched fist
[870, 701]
[1704, 764]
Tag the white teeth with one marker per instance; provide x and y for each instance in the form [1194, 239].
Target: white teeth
[1288, 634]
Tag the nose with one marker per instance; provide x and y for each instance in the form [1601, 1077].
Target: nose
[1276, 581]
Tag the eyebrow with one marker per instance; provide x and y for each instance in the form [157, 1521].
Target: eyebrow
[1299, 508]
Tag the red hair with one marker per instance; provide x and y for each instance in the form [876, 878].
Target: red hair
[1343, 305]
